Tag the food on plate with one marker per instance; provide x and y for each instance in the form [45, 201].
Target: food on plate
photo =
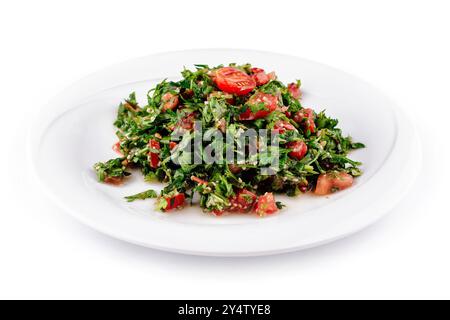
[207, 115]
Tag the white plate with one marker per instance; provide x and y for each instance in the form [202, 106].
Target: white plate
[75, 130]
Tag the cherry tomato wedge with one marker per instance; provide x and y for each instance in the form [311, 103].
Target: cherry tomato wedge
[232, 80]
[170, 101]
[114, 180]
[187, 122]
[153, 157]
[265, 205]
[243, 201]
[306, 118]
[172, 145]
[332, 182]
[294, 90]
[267, 101]
[282, 126]
[260, 76]
[175, 201]
[116, 148]
[299, 149]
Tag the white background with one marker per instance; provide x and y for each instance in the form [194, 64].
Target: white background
[400, 46]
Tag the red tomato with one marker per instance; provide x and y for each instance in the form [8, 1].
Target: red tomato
[260, 76]
[332, 182]
[243, 201]
[217, 212]
[299, 149]
[187, 122]
[175, 201]
[265, 205]
[153, 156]
[198, 180]
[269, 101]
[172, 145]
[306, 117]
[116, 148]
[232, 80]
[294, 90]
[170, 101]
[256, 70]
[272, 75]
[114, 180]
[282, 126]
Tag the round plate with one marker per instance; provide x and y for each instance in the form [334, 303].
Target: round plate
[75, 130]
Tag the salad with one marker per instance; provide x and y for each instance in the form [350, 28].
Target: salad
[273, 145]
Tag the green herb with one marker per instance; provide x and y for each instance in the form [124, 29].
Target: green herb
[200, 99]
[142, 195]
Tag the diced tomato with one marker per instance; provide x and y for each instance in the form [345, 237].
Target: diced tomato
[270, 103]
[282, 126]
[306, 118]
[294, 90]
[243, 201]
[232, 80]
[116, 148]
[198, 180]
[272, 75]
[170, 101]
[175, 201]
[154, 156]
[265, 205]
[217, 212]
[299, 149]
[114, 180]
[260, 76]
[172, 145]
[187, 122]
[256, 70]
[332, 182]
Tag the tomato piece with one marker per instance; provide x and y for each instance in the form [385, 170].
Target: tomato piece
[198, 180]
[114, 180]
[259, 76]
[333, 181]
[243, 201]
[299, 149]
[116, 148]
[265, 205]
[232, 80]
[187, 122]
[172, 145]
[170, 101]
[256, 70]
[306, 118]
[294, 90]
[268, 101]
[282, 126]
[175, 201]
[154, 156]
[217, 212]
